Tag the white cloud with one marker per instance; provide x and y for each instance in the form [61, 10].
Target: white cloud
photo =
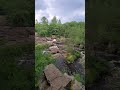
[65, 10]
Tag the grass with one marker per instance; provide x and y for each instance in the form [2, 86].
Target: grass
[41, 60]
[73, 55]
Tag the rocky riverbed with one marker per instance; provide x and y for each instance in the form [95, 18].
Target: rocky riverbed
[57, 48]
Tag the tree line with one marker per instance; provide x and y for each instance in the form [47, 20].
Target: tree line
[74, 30]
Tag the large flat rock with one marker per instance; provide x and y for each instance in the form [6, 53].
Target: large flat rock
[51, 72]
[55, 78]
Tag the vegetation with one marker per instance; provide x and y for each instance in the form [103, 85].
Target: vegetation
[41, 60]
[13, 76]
[18, 12]
[73, 30]
[72, 33]
[79, 78]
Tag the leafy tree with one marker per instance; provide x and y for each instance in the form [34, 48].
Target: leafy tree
[44, 20]
[54, 20]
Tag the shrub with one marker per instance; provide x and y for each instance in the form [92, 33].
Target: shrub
[41, 61]
[79, 78]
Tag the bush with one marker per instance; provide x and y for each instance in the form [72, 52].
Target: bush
[70, 58]
[79, 78]
[41, 61]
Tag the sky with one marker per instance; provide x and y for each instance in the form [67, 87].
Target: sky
[65, 10]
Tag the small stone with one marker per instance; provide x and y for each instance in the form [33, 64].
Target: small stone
[54, 49]
[54, 40]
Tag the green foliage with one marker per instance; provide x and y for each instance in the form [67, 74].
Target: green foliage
[41, 60]
[76, 53]
[73, 55]
[79, 78]
[54, 20]
[76, 32]
[42, 30]
[44, 20]
[73, 30]
[70, 58]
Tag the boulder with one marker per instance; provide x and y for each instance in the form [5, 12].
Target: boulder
[54, 40]
[71, 77]
[44, 86]
[57, 83]
[65, 80]
[58, 56]
[55, 78]
[50, 43]
[54, 49]
[51, 72]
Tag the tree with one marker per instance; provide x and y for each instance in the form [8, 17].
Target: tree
[44, 20]
[59, 21]
[54, 20]
[36, 21]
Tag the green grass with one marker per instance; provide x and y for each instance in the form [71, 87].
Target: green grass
[41, 60]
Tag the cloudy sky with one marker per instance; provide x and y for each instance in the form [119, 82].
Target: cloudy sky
[66, 10]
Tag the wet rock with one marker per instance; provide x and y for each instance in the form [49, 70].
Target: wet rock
[54, 49]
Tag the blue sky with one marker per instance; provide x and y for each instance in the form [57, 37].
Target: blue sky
[66, 10]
